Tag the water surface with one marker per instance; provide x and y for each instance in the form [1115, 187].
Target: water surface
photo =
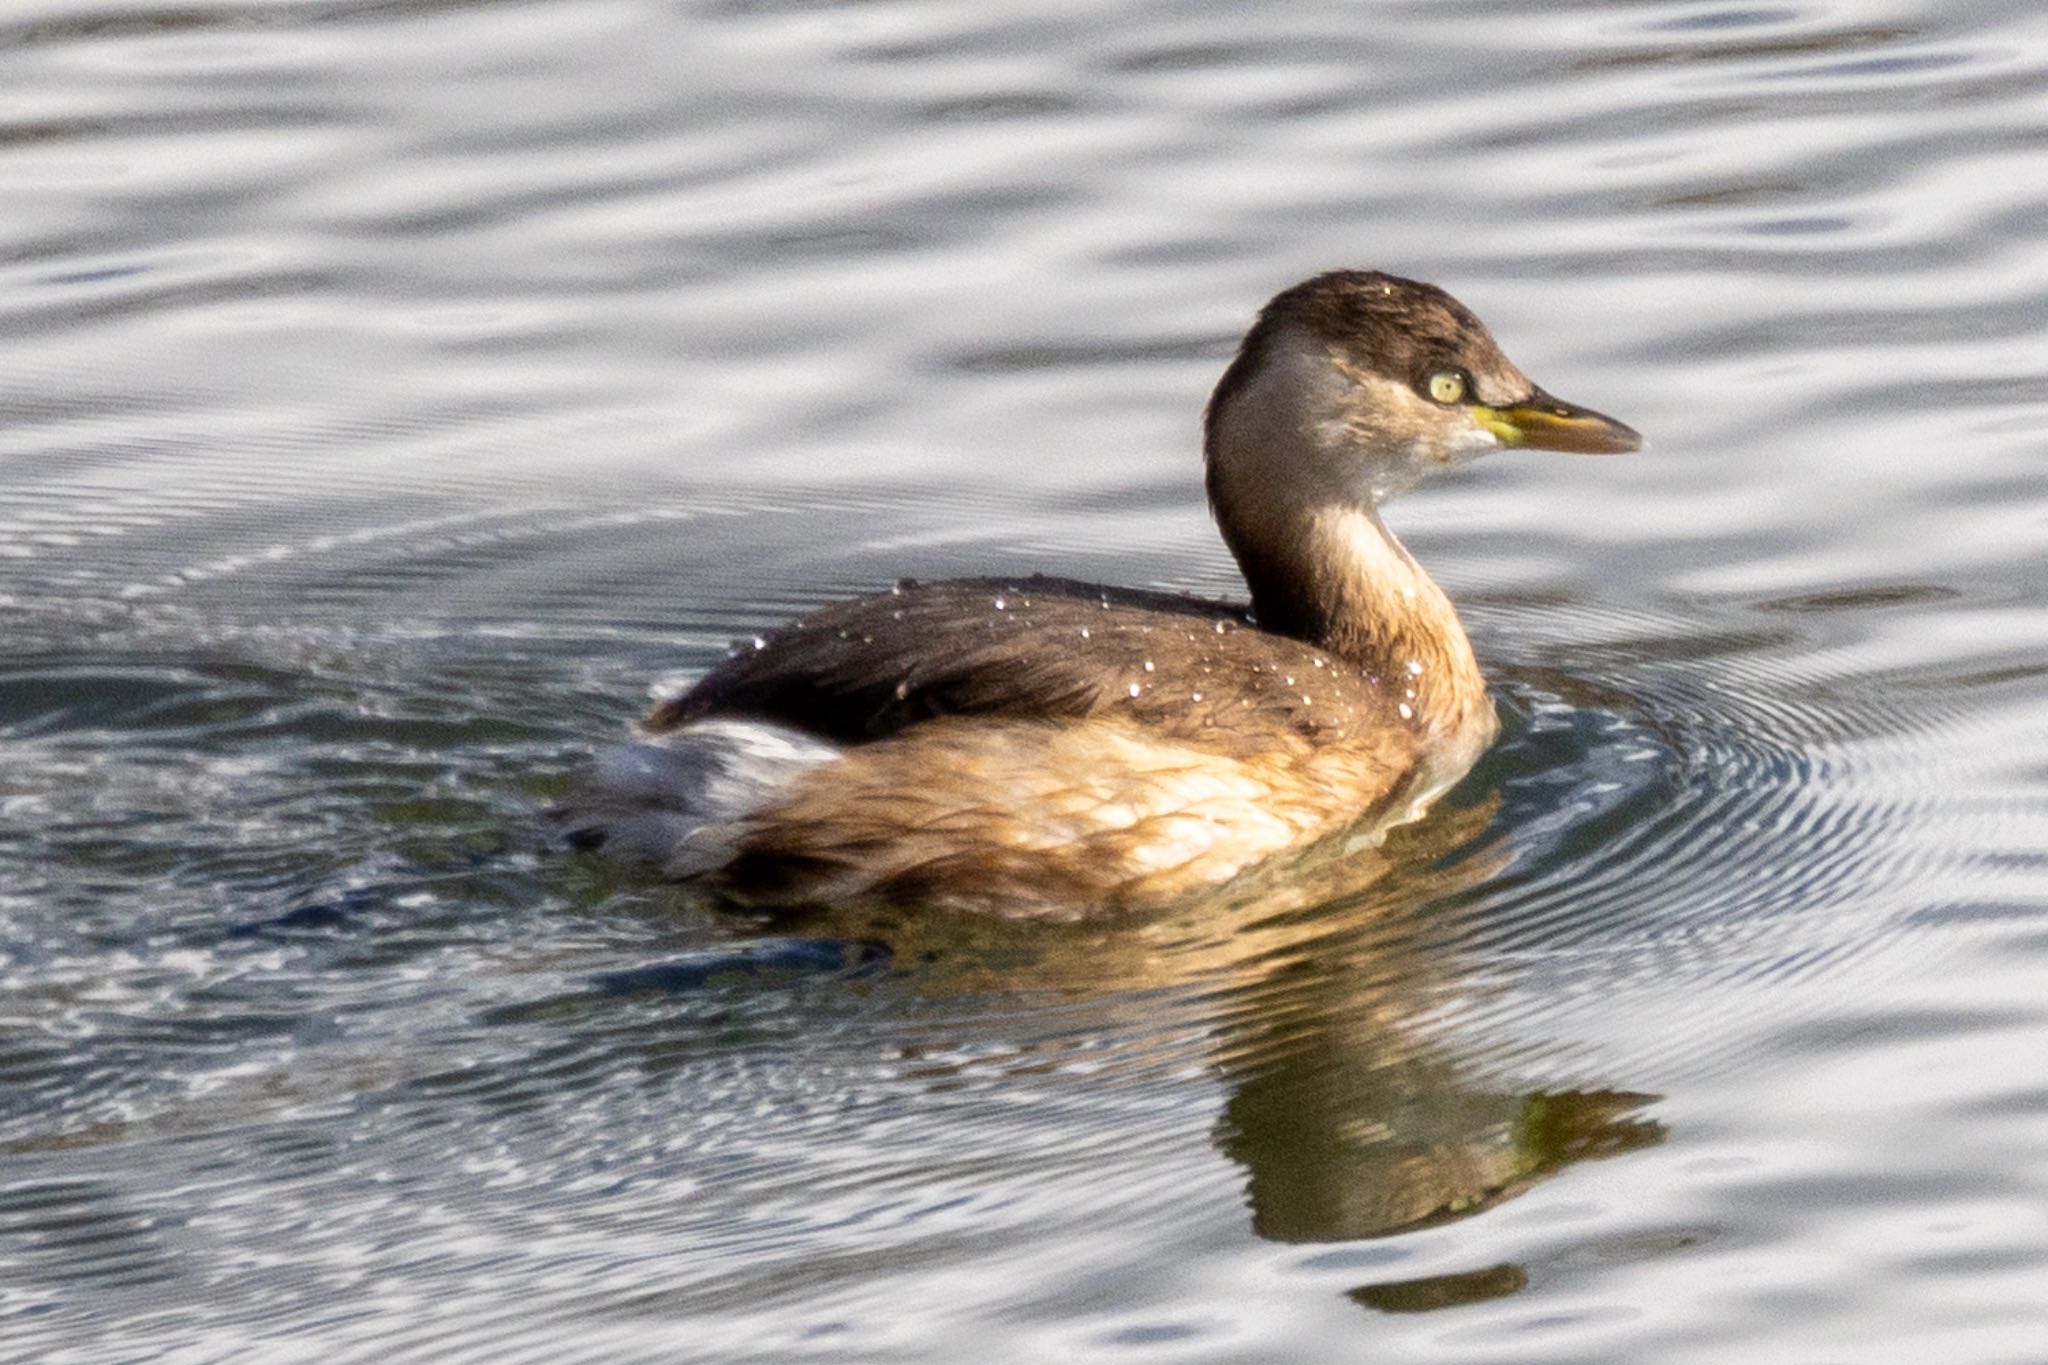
[394, 394]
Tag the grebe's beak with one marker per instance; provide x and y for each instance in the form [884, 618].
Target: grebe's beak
[1541, 422]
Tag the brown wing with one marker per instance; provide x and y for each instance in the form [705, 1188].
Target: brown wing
[1036, 649]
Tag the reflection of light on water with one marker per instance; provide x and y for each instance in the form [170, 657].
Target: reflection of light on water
[379, 390]
[1365, 1059]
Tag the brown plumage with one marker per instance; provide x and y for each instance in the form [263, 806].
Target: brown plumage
[1047, 748]
[1033, 648]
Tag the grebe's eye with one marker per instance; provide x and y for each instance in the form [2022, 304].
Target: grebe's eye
[1447, 387]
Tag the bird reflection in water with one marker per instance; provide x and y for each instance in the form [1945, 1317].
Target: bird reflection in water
[1324, 984]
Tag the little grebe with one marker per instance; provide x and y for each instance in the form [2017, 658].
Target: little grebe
[1048, 748]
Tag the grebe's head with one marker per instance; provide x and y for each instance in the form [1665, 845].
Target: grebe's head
[1354, 385]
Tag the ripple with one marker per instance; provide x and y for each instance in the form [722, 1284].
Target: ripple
[392, 393]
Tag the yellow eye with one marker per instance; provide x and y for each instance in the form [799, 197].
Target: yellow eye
[1447, 386]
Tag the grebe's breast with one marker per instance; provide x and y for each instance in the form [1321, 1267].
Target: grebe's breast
[1051, 650]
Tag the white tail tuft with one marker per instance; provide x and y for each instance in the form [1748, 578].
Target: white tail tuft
[678, 799]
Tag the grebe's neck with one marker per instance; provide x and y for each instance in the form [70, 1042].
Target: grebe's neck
[1341, 580]
[1296, 473]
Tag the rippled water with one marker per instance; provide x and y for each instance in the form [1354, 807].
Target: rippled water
[392, 392]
